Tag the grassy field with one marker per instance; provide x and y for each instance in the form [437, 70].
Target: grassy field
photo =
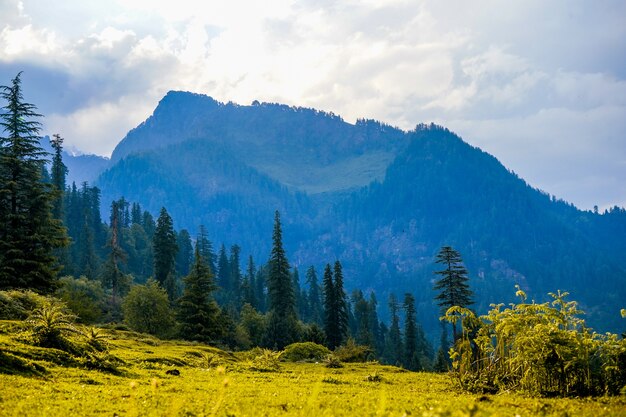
[217, 383]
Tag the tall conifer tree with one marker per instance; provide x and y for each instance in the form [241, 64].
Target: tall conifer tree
[393, 346]
[316, 310]
[282, 322]
[452, 286]
[411, 355]
[341, 303]
[198, 313]
[165, 250]
[29, 233]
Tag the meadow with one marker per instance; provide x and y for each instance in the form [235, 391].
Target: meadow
[131, 378]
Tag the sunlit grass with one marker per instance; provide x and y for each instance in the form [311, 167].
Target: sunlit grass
[216, 383]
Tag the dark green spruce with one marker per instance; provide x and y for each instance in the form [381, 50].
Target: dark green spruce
[452, 287]
[29, 233]
[282, 320]
[198, 313]
[165, 250]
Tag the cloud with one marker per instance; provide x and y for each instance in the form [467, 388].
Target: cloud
[540, 85]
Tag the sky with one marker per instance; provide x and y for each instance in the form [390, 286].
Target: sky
[541, 85]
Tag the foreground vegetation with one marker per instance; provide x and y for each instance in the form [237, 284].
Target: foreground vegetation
[133, 380]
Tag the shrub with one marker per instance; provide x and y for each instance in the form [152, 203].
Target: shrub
[19, 304]
[306, 351]
[351, 352]
[84, 297]
[147, 309]
[536, 348]
[332, 362]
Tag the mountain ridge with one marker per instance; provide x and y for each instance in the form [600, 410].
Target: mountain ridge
[380, 199]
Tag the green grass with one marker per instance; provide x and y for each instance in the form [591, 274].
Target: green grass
[217, 383]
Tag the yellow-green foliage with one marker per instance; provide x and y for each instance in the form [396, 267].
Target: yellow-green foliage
[305, 351]
[536, 348]
[205, 388]
[18, 304]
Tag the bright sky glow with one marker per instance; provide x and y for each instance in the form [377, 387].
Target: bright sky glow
[540, 85]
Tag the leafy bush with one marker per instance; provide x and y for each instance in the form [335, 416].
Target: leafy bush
[147, 309]
[84, 297]
[306, 351]
[18, 304]
[537, 348]
[351, 352]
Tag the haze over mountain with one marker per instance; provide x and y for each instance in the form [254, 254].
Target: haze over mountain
[380, 199]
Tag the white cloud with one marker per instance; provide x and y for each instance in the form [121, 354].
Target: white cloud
[528, 80]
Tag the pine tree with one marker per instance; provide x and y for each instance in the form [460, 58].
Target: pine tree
[330, 314]
[341, 304]
[282, 321]
[411, 354]
[452, 286]
[235, 276]
[223, 270]
[316, 310]
[249, 285]
[206, 248]
[362, 316]
[165, 250]
[393, 347]
[198, 313]
[112, 276]
[335, 306]
[375, 330]
[59, 173]
[29, 234]
[135, 214]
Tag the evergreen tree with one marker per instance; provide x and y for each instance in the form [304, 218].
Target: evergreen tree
[411, 354]
[375, 329]
[364, 334]
[223, 270]
[185, 255]
[112, 276]
[59, 173]
[335, 306]
[148, 223]
[29, 234]
[316, 310]
[341, 304]
[165, 250]
[235, 276]
[135, 214]
[198, 313]
[282, 321]
[330, 314]
[393, 347]
[261, 289]
[452, 286]
[249, 284]
[206, 248]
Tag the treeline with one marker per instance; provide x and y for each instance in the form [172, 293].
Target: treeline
[141, 271]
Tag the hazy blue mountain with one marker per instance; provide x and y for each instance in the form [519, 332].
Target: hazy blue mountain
[380, 199]
[81, 167]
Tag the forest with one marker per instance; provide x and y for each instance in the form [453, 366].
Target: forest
[75, 284]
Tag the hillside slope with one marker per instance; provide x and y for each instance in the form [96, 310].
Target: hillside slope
[379, 199]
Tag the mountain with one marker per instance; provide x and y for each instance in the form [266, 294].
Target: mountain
[81, 167]
[380, 199]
